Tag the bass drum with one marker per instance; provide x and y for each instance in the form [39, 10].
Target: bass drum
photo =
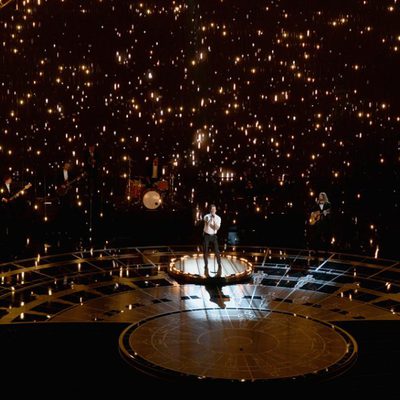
[152, 199]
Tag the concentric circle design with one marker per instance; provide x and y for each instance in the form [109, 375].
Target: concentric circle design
[237, 344]
[125, 284]
[191, 269]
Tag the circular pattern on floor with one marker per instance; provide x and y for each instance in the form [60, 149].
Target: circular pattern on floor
[129, 284]
[237, 344]
[191, 269]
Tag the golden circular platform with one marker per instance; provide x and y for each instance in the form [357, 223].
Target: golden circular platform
[190, 268]
[237, 345]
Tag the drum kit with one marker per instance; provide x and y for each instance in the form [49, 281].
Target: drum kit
[151, 196]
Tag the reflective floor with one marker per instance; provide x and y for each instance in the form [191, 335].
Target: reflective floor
[237, 344]
[282, 324]
[191, 268]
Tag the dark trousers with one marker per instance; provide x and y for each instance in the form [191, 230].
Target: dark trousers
[207, 239]
[320, 236]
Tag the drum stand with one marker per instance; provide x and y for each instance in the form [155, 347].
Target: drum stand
[171, 195]
[129, 176]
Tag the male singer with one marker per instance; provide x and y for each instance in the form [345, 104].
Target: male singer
[212, 222]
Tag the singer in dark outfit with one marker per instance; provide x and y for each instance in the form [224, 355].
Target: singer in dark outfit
[212, 222]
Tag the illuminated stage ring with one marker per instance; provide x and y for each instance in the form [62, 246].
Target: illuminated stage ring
[190, 269]
[340, 287]
[238, 345]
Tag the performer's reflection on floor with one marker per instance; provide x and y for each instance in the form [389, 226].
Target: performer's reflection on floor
[216, 294]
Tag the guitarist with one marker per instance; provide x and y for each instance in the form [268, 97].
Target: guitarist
[7, 213]
[65, 178]
[12, 212]
[7, 189]
[66, 191]
[68, 181]
[320, 231]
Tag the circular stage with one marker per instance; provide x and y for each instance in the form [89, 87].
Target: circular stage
[281, 325]
[237, 345]
[191, 269]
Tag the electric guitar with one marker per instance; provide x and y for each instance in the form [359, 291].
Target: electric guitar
[14, 196]
[315, 216]
[65, 187]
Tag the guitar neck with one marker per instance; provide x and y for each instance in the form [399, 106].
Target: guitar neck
[14, 196]
[77, 178]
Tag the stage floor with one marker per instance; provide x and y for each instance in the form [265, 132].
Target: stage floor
[237, 344]
[191, 269]
[281, 325]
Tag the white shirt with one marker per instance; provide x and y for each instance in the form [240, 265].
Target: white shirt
[8, 187]
[321, 206]
[65, 173]
[208, 219]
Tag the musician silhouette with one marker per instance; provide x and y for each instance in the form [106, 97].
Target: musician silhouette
[65, 178]
[92, 165]
[10, 219]
[320, 224]
[65, 189]
[7, 209]
[7, 189]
